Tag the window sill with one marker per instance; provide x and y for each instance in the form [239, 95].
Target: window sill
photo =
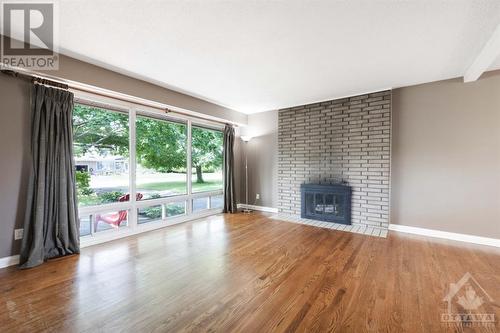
[110, 235]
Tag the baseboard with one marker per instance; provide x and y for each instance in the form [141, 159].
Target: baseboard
[446, 235]
[259, 208]
[9, 261]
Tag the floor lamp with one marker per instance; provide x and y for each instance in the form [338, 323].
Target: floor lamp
[245, 139]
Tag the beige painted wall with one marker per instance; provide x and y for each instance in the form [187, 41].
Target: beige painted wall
[83, 72]
[262, 153]
[14, 159]
[446, 156]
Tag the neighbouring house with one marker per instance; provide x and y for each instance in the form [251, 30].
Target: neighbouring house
[102, 165]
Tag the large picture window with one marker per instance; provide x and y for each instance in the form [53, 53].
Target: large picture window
[101, 149]
[138, 169]
[161, 150]
[206, 159]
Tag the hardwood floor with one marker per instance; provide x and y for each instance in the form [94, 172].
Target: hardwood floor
[248, 273]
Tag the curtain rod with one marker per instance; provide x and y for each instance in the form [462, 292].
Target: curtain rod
[62, 84]
[35, 79]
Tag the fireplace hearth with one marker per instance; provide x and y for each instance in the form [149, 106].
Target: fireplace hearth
[326, 202]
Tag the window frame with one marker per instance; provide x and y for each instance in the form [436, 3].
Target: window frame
[133, 227]
[144, 114]
[208, 128]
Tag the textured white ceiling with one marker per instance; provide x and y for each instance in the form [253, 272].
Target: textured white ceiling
[261, 55]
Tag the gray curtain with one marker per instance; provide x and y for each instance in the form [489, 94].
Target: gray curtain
[229, 192]
[51, 224]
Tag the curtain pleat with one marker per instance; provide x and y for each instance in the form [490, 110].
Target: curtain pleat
[51, 221]
[229, 192]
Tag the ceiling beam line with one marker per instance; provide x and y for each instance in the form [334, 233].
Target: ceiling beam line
[489, 53]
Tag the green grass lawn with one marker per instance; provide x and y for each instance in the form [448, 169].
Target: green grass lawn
[88, 200]
[181, 186]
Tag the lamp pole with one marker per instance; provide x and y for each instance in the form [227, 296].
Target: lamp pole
[246, 139]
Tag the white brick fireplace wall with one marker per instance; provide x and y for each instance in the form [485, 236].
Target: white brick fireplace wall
[346, 140]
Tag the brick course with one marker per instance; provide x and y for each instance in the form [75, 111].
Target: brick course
[346, 140]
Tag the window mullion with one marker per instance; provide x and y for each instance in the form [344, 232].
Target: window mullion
[189, 204]
[132, 216]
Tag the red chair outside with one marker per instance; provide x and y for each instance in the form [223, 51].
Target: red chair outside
[115, 219]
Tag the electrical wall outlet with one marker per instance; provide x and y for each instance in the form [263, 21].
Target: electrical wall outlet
[18, 234]
[257, 196]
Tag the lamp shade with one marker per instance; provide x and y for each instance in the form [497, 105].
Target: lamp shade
[246, 138]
